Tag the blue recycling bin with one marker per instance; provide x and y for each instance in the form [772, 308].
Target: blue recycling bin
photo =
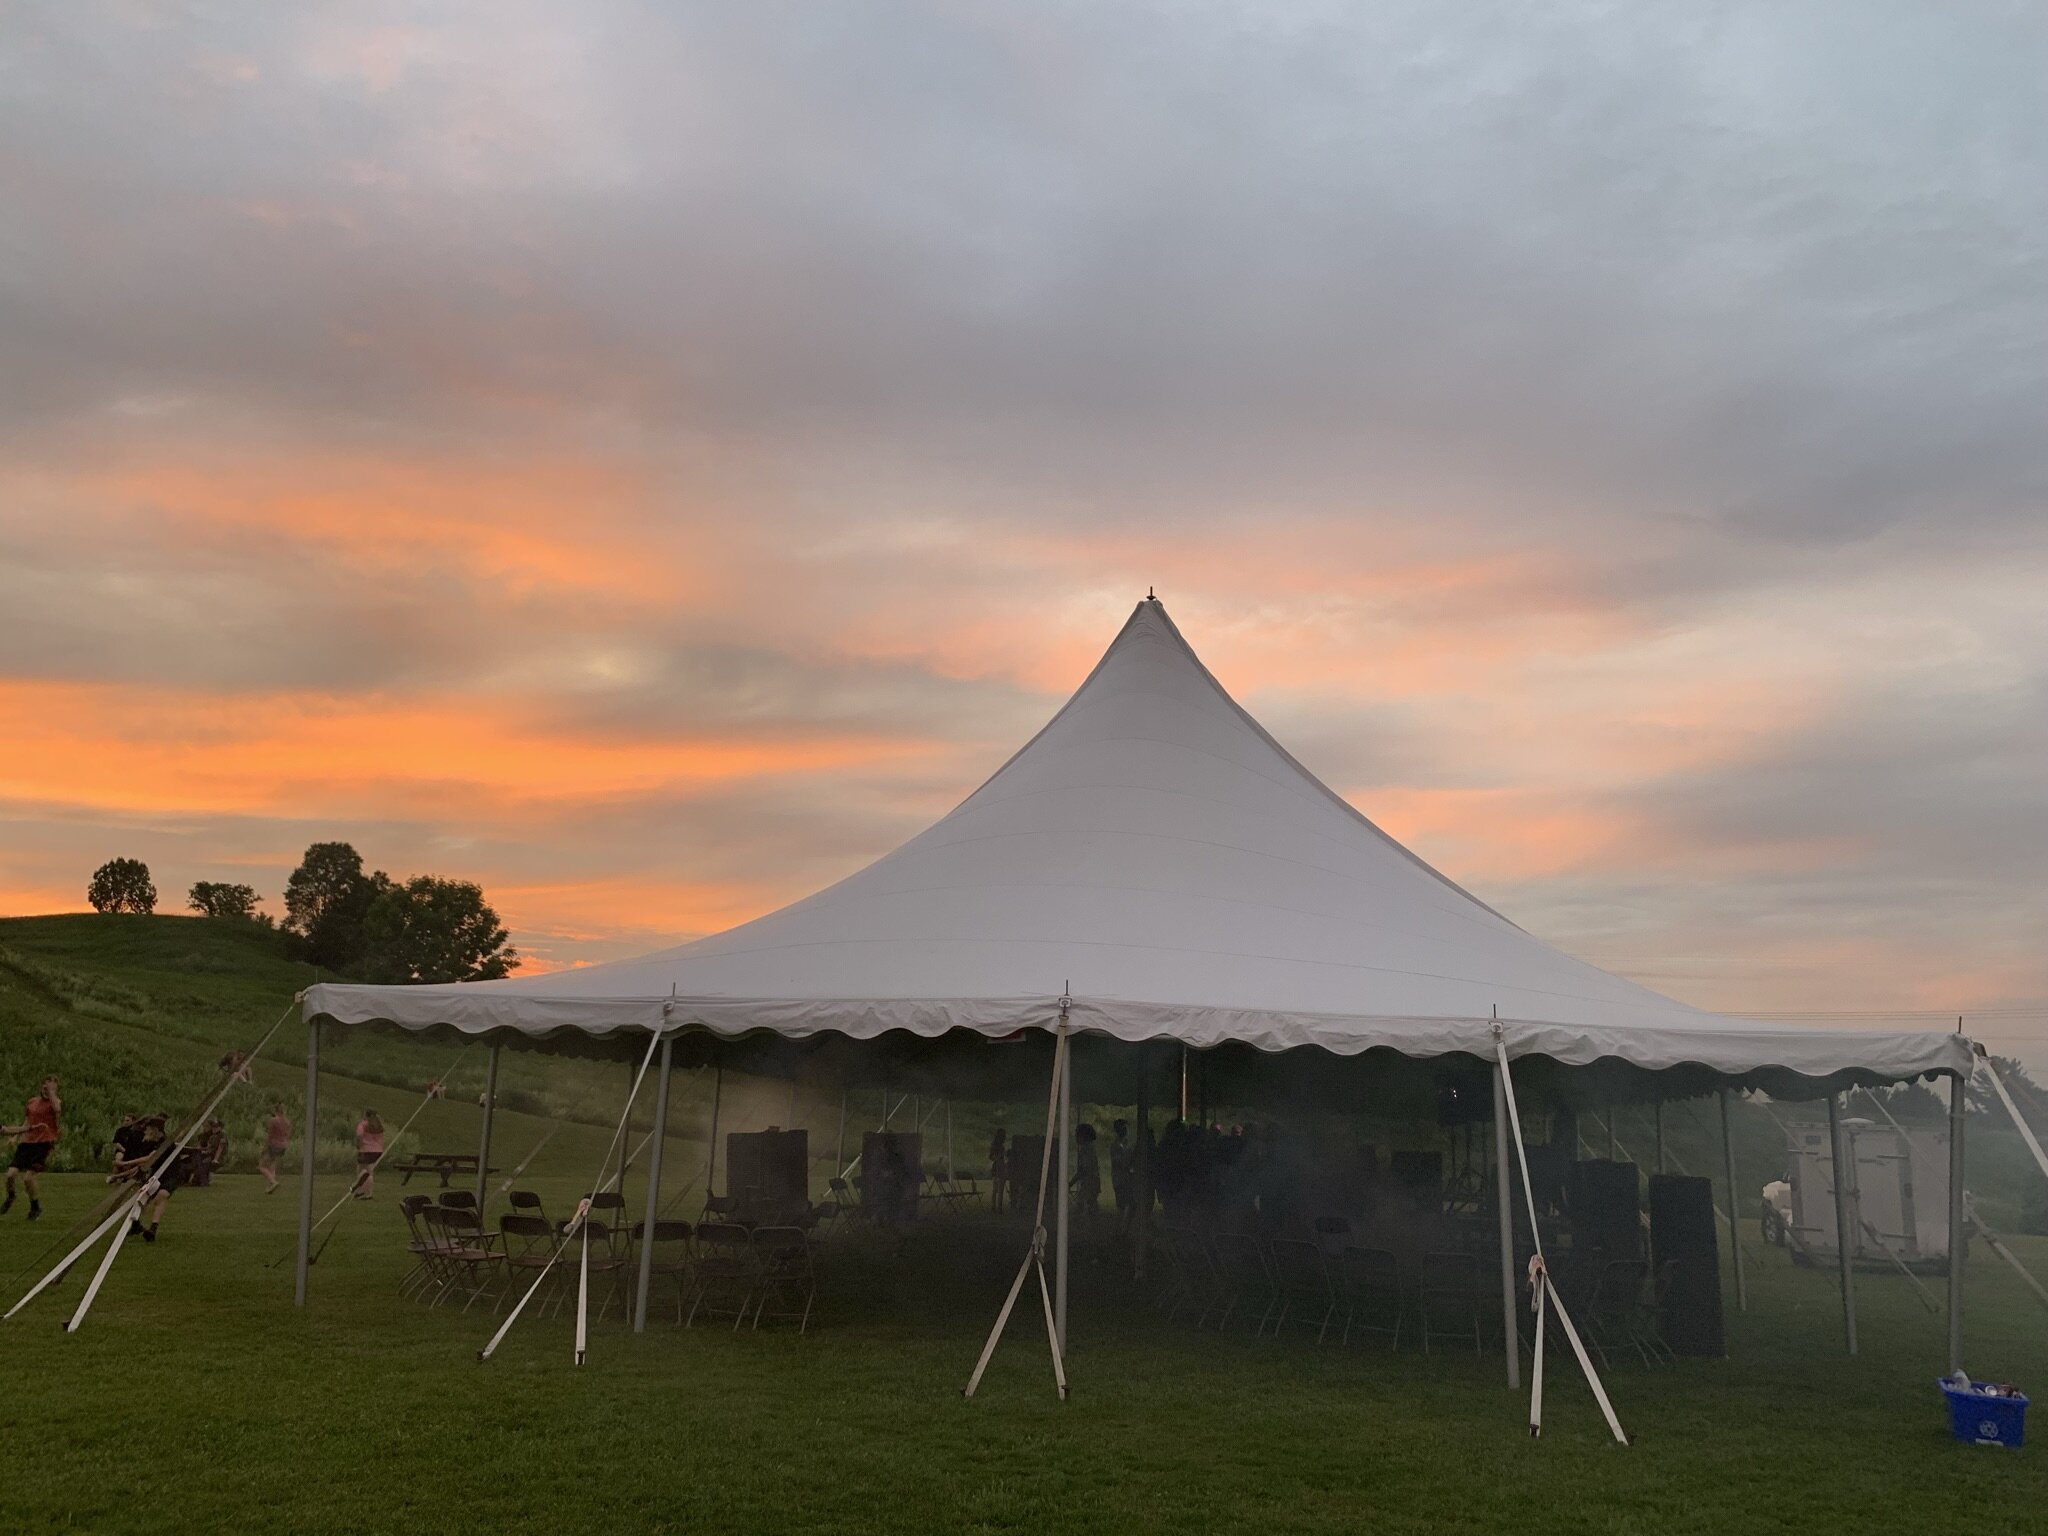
[1979, 1417]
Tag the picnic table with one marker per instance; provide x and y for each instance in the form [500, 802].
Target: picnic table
[446, 1164]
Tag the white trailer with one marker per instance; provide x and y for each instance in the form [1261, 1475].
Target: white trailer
[1887, 1165]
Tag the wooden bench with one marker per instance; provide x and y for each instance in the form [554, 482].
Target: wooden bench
[446, 1164]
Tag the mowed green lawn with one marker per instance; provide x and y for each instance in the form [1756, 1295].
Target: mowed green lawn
[197, 1399]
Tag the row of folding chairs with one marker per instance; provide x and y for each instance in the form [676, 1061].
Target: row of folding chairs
[752, 1274]
[1270, 1283]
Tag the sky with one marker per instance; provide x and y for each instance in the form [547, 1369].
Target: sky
[653, 459]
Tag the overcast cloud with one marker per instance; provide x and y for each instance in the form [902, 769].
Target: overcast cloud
[654, 458]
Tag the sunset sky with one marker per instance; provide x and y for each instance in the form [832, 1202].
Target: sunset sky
[651, 460]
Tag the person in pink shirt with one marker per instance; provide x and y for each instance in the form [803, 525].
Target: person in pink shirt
[369, 1152]
[277, 1135]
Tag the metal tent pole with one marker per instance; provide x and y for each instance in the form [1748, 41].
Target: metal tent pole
[1734, 1229]
[1610, 1133]
[1843, 1229]
[711, 1162]
[483, 1148]
[1660, 1136]
[1141, 1171]
[1504, 1190]
[1066, 1174]
[309, 1137]
[1183, 1084]
[653, 1186]
[1958, 1233]
[839, 1152]
[949, 1141]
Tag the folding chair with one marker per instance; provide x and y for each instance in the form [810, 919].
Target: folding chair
[1190, 1274]
[1302, 1277]
[529, 1243]
[1369, 1284]
[1333, 1234]
[472, 1254]
[723, 1277]
[1245, 1276]
[607, 1266]
[1650, 1312]
[423, 1245]
[458, 1200]
[671, 1259]
[1452, 1294]
[525, 1202]
[785, 1284]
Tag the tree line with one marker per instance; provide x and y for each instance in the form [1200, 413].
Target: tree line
[345, 918]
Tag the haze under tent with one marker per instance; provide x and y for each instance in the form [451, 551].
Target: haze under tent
[1152, 904]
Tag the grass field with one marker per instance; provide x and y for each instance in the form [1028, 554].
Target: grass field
[197, 1399]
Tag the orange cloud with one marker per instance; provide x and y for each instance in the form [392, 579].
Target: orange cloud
[129, 749]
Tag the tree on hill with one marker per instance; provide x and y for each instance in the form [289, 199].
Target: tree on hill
[218, 898]
[434, 930]
[122, 885]
[325, 902]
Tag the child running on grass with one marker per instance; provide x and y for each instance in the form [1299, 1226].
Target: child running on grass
[277, 1136]
[369, 1151]
[37, 1135]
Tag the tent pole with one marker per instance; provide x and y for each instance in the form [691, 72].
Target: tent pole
[1660, 1136]
[483, 1149]
[1610, 1133]
[711, 1161]
[949, 1140]
[1511, 1337]
[1958, 1234]
[1734, 1228]
[1183, 1084]
[1141, 1171]
[1065, 1218]
[653, 1184]
[839, 1152]
[1845, 1245]
[308, 1137]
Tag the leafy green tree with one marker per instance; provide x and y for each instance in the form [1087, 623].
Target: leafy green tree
[325, 902]
[122, 885]
[218, 898]
[429, 929]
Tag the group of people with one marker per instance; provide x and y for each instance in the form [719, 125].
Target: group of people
[1199, 1174]
[142, 1150]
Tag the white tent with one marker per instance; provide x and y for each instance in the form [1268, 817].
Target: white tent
[1152, 865]
[1155, 855]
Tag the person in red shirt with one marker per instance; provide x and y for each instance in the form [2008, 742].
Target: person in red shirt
[36, 1138]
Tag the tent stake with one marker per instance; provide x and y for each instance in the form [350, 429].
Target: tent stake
[309, 1137]
[1734, 1199]
[1844, 1232]
[1504, 1185]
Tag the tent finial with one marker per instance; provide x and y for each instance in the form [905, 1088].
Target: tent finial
[1150, 595]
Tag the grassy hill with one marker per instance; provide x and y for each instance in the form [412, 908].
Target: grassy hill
[134, 1013]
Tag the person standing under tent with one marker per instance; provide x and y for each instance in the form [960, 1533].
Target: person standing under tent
[36, 1140]
[277, 1136]
[998, 1168]
[369, 1152]
[1120, 1186]
[1087, 1182]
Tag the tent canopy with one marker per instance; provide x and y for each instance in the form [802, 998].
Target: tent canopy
[1153, 861]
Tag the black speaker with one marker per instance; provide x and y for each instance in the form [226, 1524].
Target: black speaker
[769, 1172]
[1682, 1236]
[1606, 1209]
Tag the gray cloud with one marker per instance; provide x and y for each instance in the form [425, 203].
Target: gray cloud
[921, 321]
